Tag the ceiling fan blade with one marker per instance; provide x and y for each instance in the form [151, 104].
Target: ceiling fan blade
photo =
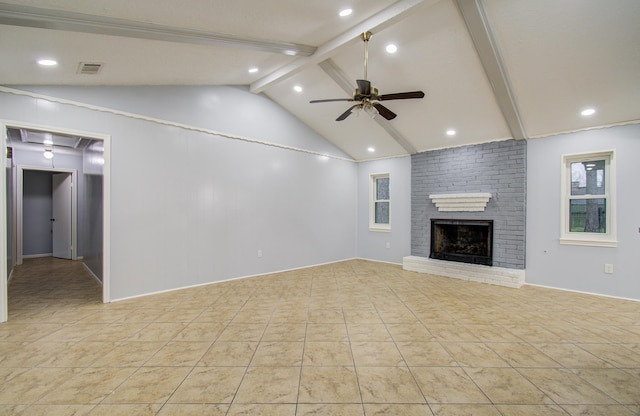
[347, 113]
[364, 86]
[384, 111]
[401, 96]
[331, 100]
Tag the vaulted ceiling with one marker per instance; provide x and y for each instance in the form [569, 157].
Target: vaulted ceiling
[490, 69]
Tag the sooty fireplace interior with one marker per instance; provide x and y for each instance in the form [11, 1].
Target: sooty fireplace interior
[466, 241]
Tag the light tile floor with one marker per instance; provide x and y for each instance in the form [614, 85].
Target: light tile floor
[353, 338]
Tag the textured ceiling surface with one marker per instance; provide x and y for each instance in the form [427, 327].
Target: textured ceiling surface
[484, 65]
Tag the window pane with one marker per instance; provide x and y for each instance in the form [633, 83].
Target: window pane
[588, 216]
[382, 188]
[587, 178]
[382, 213]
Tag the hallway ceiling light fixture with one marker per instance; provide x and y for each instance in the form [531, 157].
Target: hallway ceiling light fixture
[588, 112]
[345, 12]
[451, 132]
[47, 62]
[297, 88]
[391, 48]
[48, 153]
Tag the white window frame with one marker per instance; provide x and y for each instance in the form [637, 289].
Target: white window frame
[373, 226]
[607, 239]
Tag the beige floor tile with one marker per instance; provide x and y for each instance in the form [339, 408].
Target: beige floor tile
[620, 385]
[465, 410]
[78, 355]
[12, 410]
[327, 354]
[564, 387]
[262, 410]
[447, 385]
[269, 385]
[289, 332]
[452, 333]
[413, 331]
[158, 331]
[361, 315]
[116, 332]
[278, 354]
[368, 332]
[58, 410]
[531, 410]
[327, 332]
[492, 333]
[388, 385]
[179, 354]
[15, 354]
[129, 354]
[222, 354]
[149, 385]
[242, 332]
[325, 315]
[522, 355]
[616, 355]
[31, 385]
[507, 386]
[331, 409]
[397, 409]
[571, 356]
[599, 410]
[209, 385]
[126, 409]
[430, 354]
[194, 410]
[376, 354]
[329, 385]
[200, 331]
[88, 387]
[472, 354]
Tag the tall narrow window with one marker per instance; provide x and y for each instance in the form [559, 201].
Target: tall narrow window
[380, 203]
[588, 200]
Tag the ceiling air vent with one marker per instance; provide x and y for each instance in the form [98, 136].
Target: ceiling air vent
[89, 68]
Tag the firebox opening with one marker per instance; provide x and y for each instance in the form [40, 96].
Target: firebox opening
[466, 241]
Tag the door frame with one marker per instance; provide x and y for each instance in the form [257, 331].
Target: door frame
[106, 205]
[19, 217]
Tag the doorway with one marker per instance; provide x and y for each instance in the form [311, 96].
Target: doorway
[98, 180]
[46, 214]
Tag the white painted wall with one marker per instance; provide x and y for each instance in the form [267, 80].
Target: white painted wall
[576, 267]
[373, 244]
[188, 207]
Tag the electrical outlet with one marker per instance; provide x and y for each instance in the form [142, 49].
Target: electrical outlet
[608, 268]
[259, 253]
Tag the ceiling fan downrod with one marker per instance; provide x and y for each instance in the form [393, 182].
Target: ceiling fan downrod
[365, 37]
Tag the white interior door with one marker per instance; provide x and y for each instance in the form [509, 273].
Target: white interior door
[61, 216]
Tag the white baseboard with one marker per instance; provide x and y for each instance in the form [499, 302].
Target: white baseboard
[97, 279]
[229, 280]
[36, 256]
[582, 292]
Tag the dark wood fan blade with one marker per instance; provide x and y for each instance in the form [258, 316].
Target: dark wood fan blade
[384, 111]
[364, 86]
[331, 100]
[347, 113]
[401, 96]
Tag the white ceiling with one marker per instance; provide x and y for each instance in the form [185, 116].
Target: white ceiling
[491, 69]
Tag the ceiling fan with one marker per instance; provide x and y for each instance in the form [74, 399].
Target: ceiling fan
[367, 96]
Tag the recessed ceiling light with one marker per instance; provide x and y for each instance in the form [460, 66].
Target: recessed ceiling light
[371, 149]
[588, 112]
[253, 70]
[47, 62]
[297, 88]
[451, 132]
[345, 12]
[391, 48]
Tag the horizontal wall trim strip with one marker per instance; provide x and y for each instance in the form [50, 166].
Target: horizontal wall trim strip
[230, 280]
[23, 93]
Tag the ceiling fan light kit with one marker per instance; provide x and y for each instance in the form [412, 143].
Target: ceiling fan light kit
[367, 96]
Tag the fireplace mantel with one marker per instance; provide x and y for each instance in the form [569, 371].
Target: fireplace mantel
[467, 202]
